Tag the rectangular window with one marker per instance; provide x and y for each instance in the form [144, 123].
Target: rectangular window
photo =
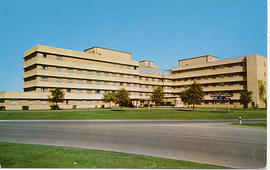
[44, 67]
[89, 72]
[114, 83]
[97, 82]
[121, 84]
[88, 102]
[69, 80]
[89, 82]
[98, 73]
[88, 91]
[153, 79]
[135, 68]
[140, 78]
[44, 89]
[79, 91]
[113, 74]
[113, 65]
[79, 102]
[97, 91]
[69, 90]
[44, 78]
[59, 69]
[43, 102]
[31, 102]
[106, 74]
[128, 67]
[59, 57]
[128, 76]
[79, 71]
[69, 70]
[45, 56]
[106, 92]
[140, 86]
[59, 80]
[121, 75]
[146, 78]
[128, 84]
[14, 102]
[159, 80]
[105, 83]
[80, 81]
[146, 86]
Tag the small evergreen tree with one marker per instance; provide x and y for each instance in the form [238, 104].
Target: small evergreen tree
[245, 98]
[157, 96]
[108, 98]
[56, 96]
[262, 92]
[193, 95]
[122, 97]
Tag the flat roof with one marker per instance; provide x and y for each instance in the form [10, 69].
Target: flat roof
[107, 49]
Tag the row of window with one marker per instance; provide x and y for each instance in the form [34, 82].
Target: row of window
[213, 67]
[99, 73]
[97, 82]
[211, 77]
[215, 84]
[113, 64]
[44, 102]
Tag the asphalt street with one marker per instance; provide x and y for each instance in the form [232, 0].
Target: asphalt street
[210, 142]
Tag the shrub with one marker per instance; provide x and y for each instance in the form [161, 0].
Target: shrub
[55, 107]
[25, 107]
[2, 107]
[74, 106]
[102, 106]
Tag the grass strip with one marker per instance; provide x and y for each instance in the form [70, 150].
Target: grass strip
[15, 155]
[169, 114]
[252, 124]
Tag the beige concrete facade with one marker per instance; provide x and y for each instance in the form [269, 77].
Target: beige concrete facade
[86, 76]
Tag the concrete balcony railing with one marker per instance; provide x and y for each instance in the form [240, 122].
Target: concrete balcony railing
[209, 72]
[206, 81]
[77, 86]
[79, 76]
[70, 64]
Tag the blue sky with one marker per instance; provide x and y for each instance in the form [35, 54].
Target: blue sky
[162, 31]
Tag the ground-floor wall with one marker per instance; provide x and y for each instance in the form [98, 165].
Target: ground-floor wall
[72, 104]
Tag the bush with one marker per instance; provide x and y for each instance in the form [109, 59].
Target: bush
[55, 107]
[25, 107]
[102, 106]
[2, 107]
[74, 106]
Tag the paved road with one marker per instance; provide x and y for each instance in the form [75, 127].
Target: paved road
[212, 142]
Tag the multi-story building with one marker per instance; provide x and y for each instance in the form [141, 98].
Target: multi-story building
[86, 76]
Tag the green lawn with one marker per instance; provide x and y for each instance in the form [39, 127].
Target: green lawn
[40, 156]
[252, 124]
[171, 114]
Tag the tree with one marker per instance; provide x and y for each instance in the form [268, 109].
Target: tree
[108, 98]
[193, 95]
[157, 96]
[245, 98]
[262, 91]
[56, 96]
[122, 97]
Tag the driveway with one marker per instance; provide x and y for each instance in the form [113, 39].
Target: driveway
[211, 142]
